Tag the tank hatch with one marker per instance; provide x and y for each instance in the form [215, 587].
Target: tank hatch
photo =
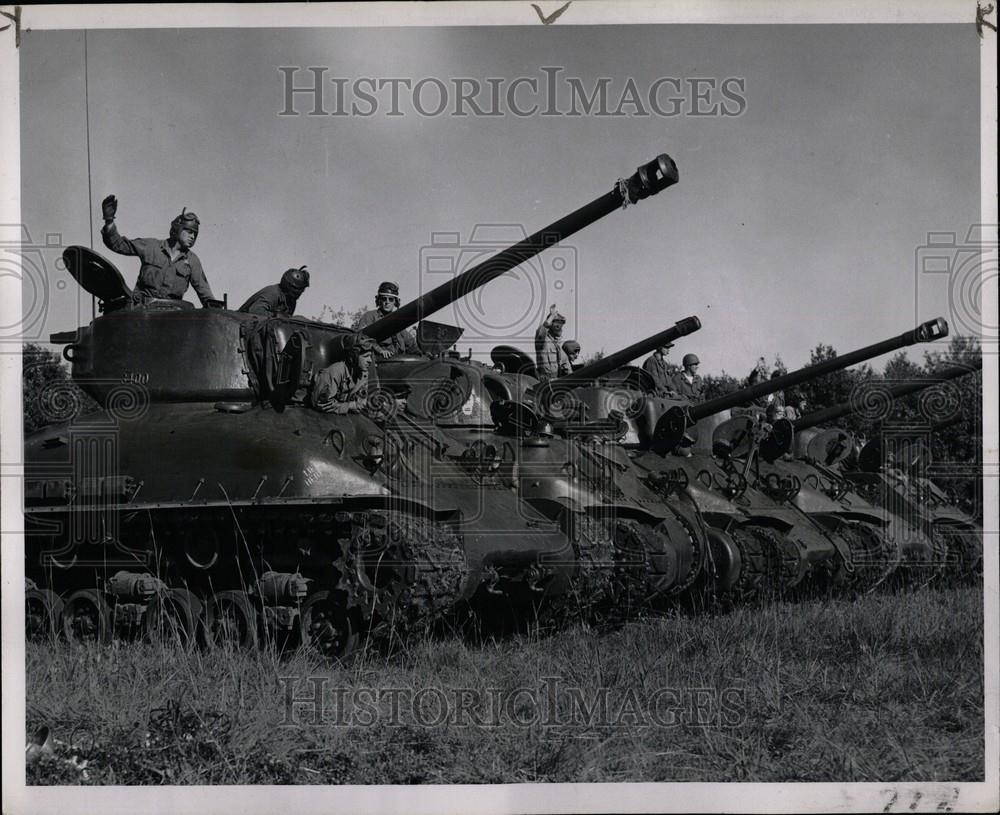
[436, 338]
[513, 360]
[97, 275]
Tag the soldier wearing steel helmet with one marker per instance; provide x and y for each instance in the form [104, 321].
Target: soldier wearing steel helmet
[661, 371]
[168, 266]
[278, 299]
[550, 359]
[686, 382]
[386, 302]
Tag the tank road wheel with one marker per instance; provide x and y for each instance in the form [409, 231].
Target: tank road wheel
[43, 611]
[86, 617]
[326, 627]
[231, 618]
[173, 616]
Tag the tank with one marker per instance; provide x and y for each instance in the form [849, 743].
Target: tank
[205, 499]
[808, 468]
[630, 545]
[760, 541]
[892, 472]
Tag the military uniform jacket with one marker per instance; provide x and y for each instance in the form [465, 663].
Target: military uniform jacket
[688, 390]
[270, 301]
[335, 383]
[550, 359]
[402, 343]
[159, 276]
[658, 369]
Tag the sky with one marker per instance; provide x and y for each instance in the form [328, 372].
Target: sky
[799, 221]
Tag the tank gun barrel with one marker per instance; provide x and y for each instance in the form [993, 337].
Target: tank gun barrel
[835, 412]
[649, 179]
[671, 428]
[601, 367]
[925, 332]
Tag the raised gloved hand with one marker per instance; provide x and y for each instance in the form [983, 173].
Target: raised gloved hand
[109, 206]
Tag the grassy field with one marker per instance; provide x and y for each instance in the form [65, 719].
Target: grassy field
[887, 687]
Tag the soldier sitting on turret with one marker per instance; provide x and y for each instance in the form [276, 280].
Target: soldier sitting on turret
[343, 386]
[387, 301]
[278, 299]
[168, 266]
[687, 383]
[550, 359]
[661, 371]
[572, 350]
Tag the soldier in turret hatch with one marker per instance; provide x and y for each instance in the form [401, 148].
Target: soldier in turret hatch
[386, 302]
[660, 370]
[686, 382]
[343, 386]
[550, 359]
[168, 266]
[279, 299]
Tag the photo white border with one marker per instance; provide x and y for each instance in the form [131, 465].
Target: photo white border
[640, 797]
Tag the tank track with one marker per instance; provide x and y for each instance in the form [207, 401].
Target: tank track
[310, 577]
[624, 563]
[960, 552]
[874, 554]
[765, 571]
[399, 573]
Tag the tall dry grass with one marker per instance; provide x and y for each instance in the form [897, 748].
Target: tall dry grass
[888, 687]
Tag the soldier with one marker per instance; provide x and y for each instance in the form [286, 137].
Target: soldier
[754, 378]
[572, 350]
[168, 266]
[776, 401]
[656, 366]
[279, 299]
[342, 387]
[386, 302]
[550, 359]
[687, 383]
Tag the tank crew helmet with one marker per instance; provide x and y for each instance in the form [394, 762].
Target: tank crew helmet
[690, 359]
[295, 281]
[571, 347]
[357, 344]
[388, 289]
[186, 220]
[666, 347]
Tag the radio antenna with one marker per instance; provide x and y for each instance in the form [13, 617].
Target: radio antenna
[90, 195]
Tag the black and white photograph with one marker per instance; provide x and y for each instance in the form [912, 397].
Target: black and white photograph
[500, 407]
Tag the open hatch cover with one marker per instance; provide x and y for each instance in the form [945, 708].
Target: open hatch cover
[94, 273]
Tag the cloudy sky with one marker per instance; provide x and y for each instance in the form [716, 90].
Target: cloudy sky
[796, 222]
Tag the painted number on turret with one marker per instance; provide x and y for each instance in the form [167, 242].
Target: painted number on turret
[135, 378]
